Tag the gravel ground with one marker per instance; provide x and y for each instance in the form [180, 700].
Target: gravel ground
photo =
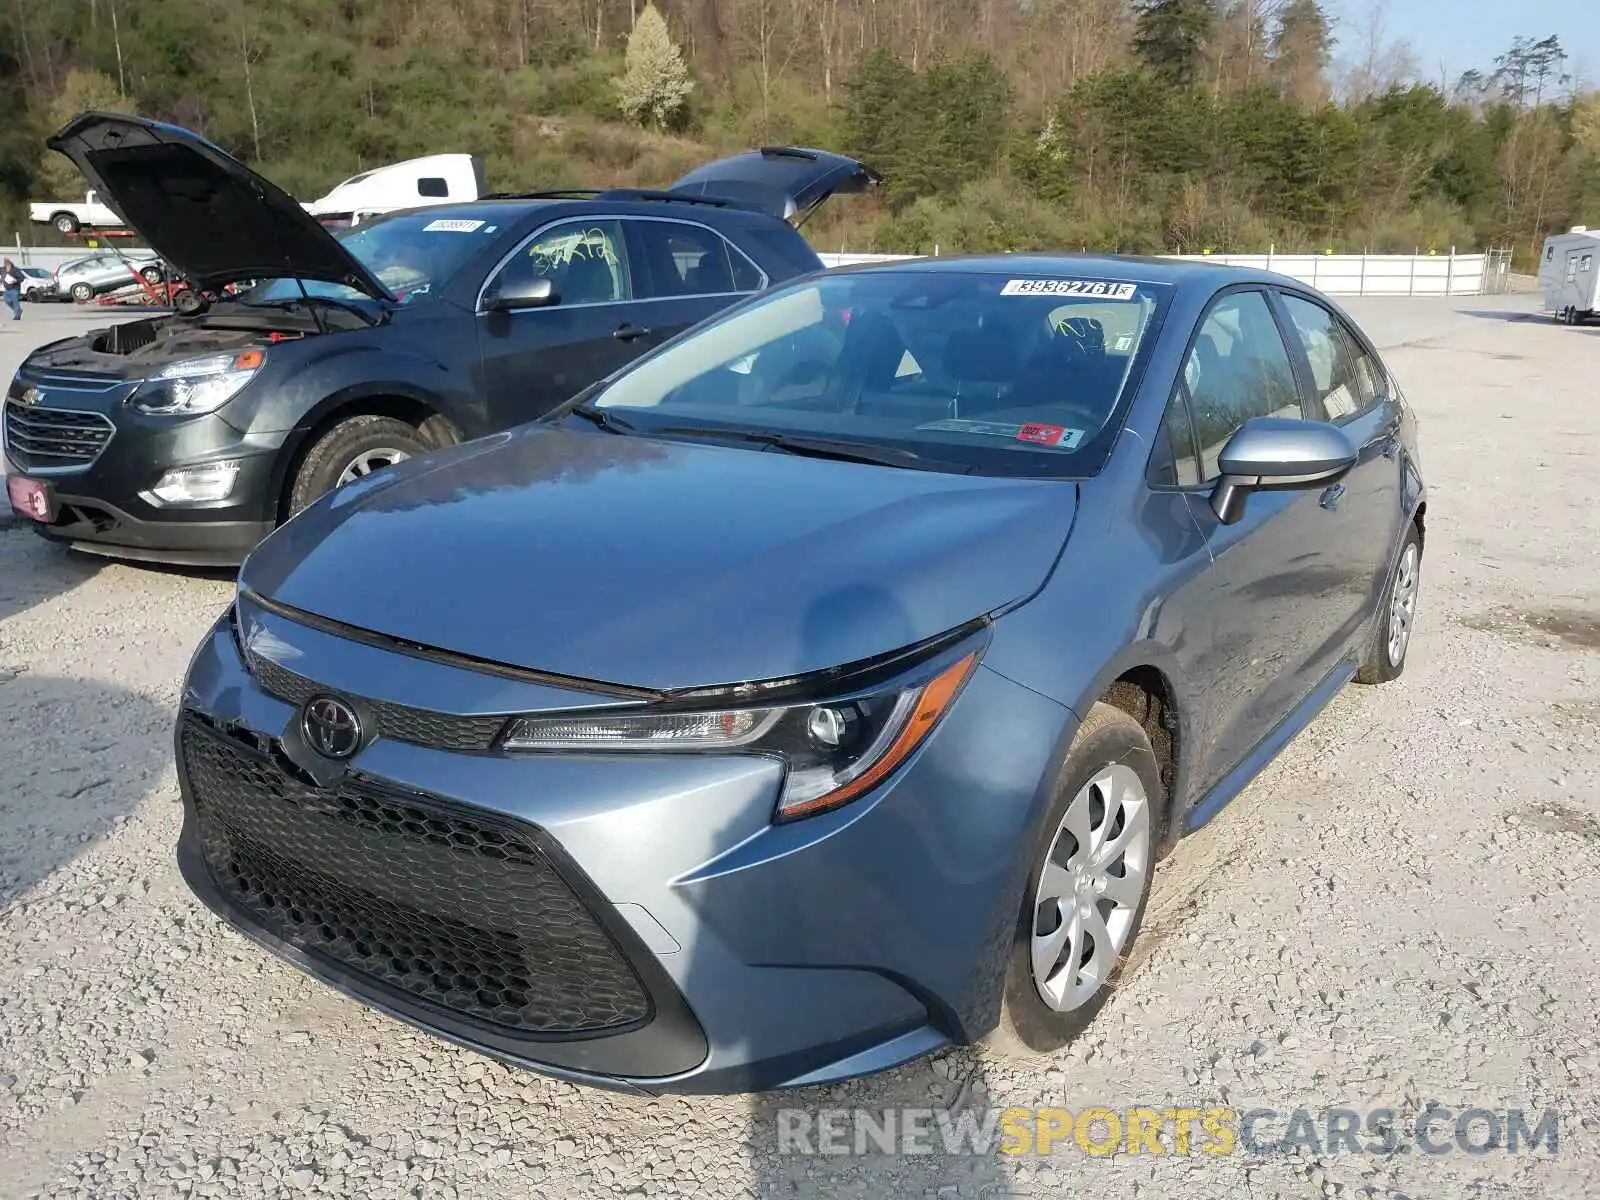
[1400, 911]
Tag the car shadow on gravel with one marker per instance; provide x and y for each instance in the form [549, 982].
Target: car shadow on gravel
[32, 571]
[79, 756]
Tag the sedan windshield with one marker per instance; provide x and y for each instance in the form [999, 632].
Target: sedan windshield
[954, 370]
[410, 254]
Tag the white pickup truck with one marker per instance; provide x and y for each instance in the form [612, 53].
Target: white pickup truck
[69, 218]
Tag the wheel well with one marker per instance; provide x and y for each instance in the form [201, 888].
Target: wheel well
[1422, 524]
[437, 428]
[1146, 696]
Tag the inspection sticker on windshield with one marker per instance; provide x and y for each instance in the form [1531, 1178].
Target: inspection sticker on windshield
[1057, 436]
[452, 225]
[1099, 289]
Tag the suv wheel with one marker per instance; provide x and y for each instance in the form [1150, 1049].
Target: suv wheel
[1385, 658]
[1087, 890]
[350, 450]
[82, 293]
[65, 222]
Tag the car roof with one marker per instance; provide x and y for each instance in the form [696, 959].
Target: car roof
[1128, 268]
[508, 209]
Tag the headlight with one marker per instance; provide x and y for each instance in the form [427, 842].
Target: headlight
[198, 385]
[834, 751]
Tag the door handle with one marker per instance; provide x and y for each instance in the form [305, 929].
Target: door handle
[1331, 497]
[627, 333]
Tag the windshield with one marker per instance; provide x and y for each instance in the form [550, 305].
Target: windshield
[411, 254]
[995, 373]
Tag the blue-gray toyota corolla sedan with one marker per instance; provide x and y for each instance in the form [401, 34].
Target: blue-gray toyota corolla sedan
[818, 690]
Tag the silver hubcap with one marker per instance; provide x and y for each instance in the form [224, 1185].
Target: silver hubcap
[1403, 604]
[1089, 891]
[368, 461]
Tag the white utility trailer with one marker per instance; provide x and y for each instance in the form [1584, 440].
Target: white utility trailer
[1569, 274]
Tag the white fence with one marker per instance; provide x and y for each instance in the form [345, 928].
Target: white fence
[1338, 274]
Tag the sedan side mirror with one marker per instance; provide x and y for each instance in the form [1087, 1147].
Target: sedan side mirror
[1278, 454]
[537, 292]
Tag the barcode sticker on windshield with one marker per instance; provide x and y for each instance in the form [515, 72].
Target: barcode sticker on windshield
[448, 225]
[1099, 289]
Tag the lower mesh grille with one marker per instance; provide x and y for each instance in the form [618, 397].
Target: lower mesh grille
[410, 891]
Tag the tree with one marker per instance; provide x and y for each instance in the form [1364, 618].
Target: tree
[1170, 35]
[1523, 72]
[81, 91]
[656, 83]
[1301, 48]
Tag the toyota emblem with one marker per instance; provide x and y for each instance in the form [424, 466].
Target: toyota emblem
[331, 727]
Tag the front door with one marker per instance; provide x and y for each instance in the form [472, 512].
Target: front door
[533, 359]
[1275, 584]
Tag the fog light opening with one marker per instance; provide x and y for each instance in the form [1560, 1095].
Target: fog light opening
[204, 484]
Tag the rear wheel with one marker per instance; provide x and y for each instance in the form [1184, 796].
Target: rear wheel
[82, 293]
[151, 274]
[1087, 890]
[352, 449]
[1385, 658]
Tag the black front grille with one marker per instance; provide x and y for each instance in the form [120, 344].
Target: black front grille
[421, 726]
[54, 437]
[461, 913]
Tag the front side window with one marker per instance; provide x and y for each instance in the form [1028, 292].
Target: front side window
[1238, 369]
[977, 371]
[690, 260]
[585, 261]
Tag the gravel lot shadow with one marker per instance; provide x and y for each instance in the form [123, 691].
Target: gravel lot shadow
[32, 571]
[1494, 314]
[78, 756]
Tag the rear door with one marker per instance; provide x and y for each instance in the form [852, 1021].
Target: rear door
[532, 359]
[1273, 574]
[1348, 386]
[685, 272]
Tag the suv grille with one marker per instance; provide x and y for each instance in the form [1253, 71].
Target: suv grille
[422, 727]
[54, 437]
[408, 890]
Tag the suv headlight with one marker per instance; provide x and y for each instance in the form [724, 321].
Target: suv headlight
[833, 750]
[198, 385]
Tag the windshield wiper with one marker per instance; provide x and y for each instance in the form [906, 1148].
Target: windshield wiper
[601, 419]
[820, 447]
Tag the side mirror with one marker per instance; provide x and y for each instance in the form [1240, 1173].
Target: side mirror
[1278, 454]
[537, 292]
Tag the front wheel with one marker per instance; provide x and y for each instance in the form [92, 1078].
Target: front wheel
[65, 222]
[1087, 890]
[1385, 658]
[350, 450]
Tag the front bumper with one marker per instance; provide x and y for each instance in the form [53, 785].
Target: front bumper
[103, 505]
[771, 956]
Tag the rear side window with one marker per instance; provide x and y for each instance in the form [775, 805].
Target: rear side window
[1237, 369]
[691, 260]
[432, 185]
[1342, 374]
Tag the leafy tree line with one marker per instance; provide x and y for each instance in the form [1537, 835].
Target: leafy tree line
[1134, 125]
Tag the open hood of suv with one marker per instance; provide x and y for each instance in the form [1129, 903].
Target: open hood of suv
[788, 182]
[200, 208]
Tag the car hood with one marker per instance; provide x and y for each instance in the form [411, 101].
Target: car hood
[201, 209]
[661, 565]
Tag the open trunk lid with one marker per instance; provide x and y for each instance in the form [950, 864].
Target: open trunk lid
[789, 182]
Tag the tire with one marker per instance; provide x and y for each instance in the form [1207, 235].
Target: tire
[1381, 663]
[81, 292]
[1110, 753]
[342, 449]
[151, 274]
[65, 222]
